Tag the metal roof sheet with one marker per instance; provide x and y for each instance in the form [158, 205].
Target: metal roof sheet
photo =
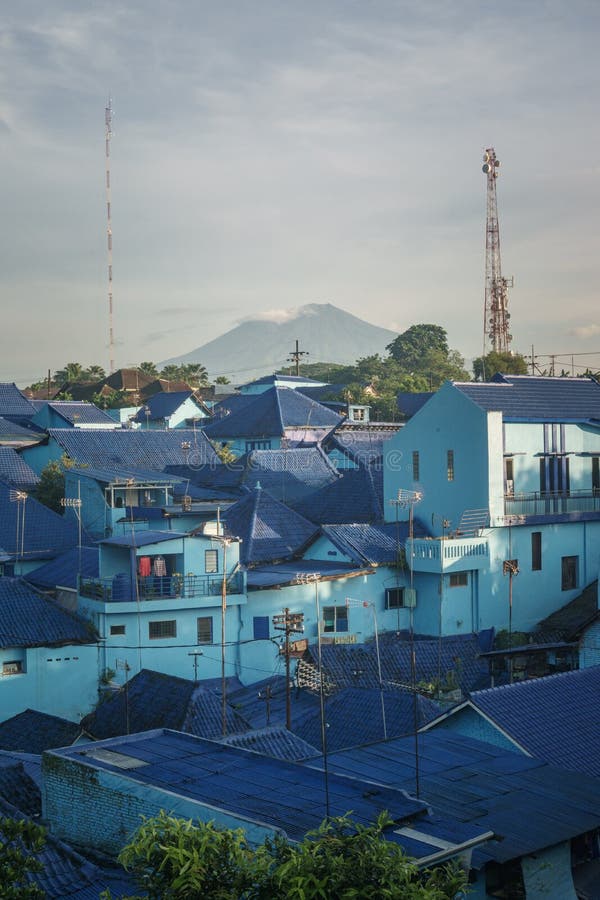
[143, 538]
[64, 569]
[281, 574]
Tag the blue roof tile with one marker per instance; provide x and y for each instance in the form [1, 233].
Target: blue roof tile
[538, 398]
[163, 405]
[269, 530]
[64, 569]
[410, 403]
[555, 719]
[18, 788]
[364, 446]
[155, 700]
[374, 545]
[290, 475]
[27, 619]
[275, 741]
[46, 534]
[33, 732]
[16, 433]
[13, 403]
[357, 496]
[75, 412]
[15, 471]
[136, 449]
[284, 573]
[270, 414]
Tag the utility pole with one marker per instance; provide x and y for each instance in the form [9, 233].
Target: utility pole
[111, 338]
[495, 316]
[290, 623]
[510, 567]
[296, 355]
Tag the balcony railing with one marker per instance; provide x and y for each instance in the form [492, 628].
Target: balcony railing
[119, 588]
[541, 503]
[440, 554]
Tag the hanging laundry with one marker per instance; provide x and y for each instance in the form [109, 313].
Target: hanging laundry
[145, 566]
[159, 567]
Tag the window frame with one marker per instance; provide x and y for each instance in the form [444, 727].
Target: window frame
[115, 633]
[569, 573]
[338, 615]
[204, 619]
[450, 472]
[536, 551]
[211, 568]
[162, 622]
[458, 579]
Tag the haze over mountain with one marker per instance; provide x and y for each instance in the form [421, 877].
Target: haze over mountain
[262, 345]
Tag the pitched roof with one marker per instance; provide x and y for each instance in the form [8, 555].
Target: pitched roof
[136, 449]
[356, 496]
[15, 471]
[33, 732]
[18, 788]
[568, 621]
[275, 741]
[292, 380]
[42, 532]
[76, 412]
[62, 571]
[362, 445]
[539, 398]
[410, 402]
[271, 413]
[556, 718]
[27, 619]
[371, 544]
[527, 803]
[290, 475]
[12, 432]
[143, 538]
[162, 405]
[13, 403]
[269, 530]
[291, 572]
[155, 700]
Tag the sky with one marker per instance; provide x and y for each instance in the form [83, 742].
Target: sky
[267, 154]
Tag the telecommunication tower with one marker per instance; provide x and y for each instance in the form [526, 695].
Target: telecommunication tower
[111, 339]
[496, 316]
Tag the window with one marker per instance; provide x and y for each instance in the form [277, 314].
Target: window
[509, 476]
[450, 465]
[459, 579]
[569, 565]
[211, 561]
[12, 667]
[205, 630]
[257, 445]
[335, 618]
[536, 551]
[400, 598]
[596, 475]
[117, 629]
[415, 464]
[261, 628]
[167, 629]
[357, 415]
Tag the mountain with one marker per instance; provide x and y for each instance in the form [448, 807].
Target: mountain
[262, 345]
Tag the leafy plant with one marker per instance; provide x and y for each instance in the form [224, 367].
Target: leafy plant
[19, 841]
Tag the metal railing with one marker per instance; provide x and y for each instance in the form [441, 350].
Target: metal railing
[119, 588]
[542, 503]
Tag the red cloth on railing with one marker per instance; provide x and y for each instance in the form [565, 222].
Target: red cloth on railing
[145, 566]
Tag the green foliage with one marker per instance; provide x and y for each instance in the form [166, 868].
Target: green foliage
[410, 347]
[222, 379]
[149, 368]
[225, 453]
[19, 840]
[111, 399]
[504, 640]
[341, 860]
[485, 367]
[51, 486]
[194, 374]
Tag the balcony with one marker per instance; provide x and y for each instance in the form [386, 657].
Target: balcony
[544, 503]
[437, 555]
[119, 588]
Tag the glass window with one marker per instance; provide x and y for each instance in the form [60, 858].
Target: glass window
[536, 551]
[166, 629]
[450, 465]
[211, 561]
[261, 628]
[459, 579]
[117, 629]
[205, 630]
[569, 565]
[415, 466]
[335, 618]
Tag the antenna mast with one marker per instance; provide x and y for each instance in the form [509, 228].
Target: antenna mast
[111, 340]
[496, 316]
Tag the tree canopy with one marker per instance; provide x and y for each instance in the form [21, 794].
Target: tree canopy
[173, 858]
[485, 367]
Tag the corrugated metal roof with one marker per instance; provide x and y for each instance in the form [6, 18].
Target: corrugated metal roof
[275, 741]
[269, 530]
[143, 538]
[29, 620]
[119, 474]
[539, 398]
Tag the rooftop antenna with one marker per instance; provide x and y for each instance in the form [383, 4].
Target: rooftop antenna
[496, 316]
[111, 339]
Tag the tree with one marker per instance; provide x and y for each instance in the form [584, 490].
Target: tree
[94, 373]
[149, 368]
[51, 487]
[19, 841]
[194, 373]
[222, 379]
[172, 858]
[410, 347]
[485, 367]
[73, 371]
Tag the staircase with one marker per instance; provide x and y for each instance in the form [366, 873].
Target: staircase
[472, 522]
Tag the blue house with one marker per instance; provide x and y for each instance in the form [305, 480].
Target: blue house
[508, 474]
[70, 414]
[177, 409]
[276, 418]
[48, 657]
[158, 601]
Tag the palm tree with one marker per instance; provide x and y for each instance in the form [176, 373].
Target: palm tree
[95, 373]
[148, 368]
[73, 371]
[193, 373]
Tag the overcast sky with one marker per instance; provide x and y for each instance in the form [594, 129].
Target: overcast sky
[270, 153]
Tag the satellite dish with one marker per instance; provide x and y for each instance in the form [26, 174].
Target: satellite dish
[486, 157]
[486, 168]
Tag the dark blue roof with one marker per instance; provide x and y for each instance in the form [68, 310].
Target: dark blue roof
[556, 718]
[538, 398]
[155, 700]
[18, 788]
[247, 784]
[372, 544]
[46, 533]
[13, 403]
[410, 403]
[77, 412]
[528, 804]
[270, 414]
[275, 741]
[269, 530]
[63, 570]
[119, 474]
[135, 448]
[362, 445]
[290, 475]
[33, 732]
[231, 404]
[15, 471]
[357, 496]
[29, 620]
[143, 538]
[12, 431]
[162, 405]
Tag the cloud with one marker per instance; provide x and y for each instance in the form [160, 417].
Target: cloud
[277, 316]
[584, 331]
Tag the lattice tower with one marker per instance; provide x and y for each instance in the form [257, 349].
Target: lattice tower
[496, 315]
